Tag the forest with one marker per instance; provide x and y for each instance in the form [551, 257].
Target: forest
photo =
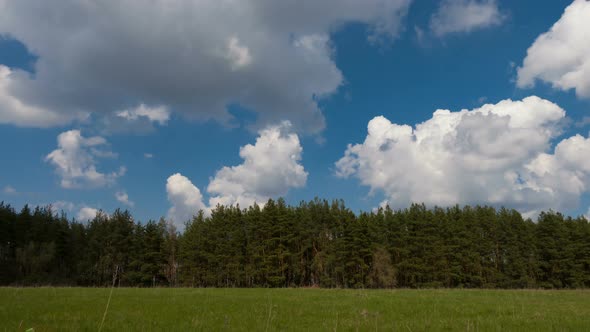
[318, 243]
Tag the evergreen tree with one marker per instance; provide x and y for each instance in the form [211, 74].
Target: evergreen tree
[316, 243]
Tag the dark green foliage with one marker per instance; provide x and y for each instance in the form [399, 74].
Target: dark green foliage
[314, 244]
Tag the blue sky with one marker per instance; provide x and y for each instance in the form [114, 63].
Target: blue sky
[328, 75]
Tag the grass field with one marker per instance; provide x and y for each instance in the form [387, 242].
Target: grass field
[160, 309]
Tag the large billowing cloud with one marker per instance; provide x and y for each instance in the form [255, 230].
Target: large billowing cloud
[561, 56]
[186, 198]
[462, 16]
[75, 161]
[496, 154]
[271, 167]
[194, 57]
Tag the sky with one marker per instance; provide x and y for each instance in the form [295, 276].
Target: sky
[177, 106]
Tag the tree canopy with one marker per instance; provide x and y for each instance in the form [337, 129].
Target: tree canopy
[314, 244]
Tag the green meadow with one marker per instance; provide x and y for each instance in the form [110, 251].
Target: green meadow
[193, 309]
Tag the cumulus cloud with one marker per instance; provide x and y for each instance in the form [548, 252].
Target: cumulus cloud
[496, 154]
[271, 167]
[561, 56]
[463, 16]
[566, 172]
[123, 198]
[86, 213]
[186, 199]
[194, 57]
[75, 161]
[82, 212]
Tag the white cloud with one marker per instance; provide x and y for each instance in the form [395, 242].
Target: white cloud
[186, 199]
[148, 155]
[496, 154]
[15, 111]
[566, 172]
[194, 57]
[463, 16]
[83, 212]
[9, 190]
[238, 55]
[59, 206]
[270, 168]
[139, 120]
[158, 114]
[86, 213]
[561, 56]
[75, 161]
[123, 198]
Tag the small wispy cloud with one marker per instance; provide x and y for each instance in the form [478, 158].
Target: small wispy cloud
[9, 190]
[122, 197]
[464, 16]
[584, 122]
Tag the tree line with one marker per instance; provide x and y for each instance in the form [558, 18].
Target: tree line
[314, 244]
